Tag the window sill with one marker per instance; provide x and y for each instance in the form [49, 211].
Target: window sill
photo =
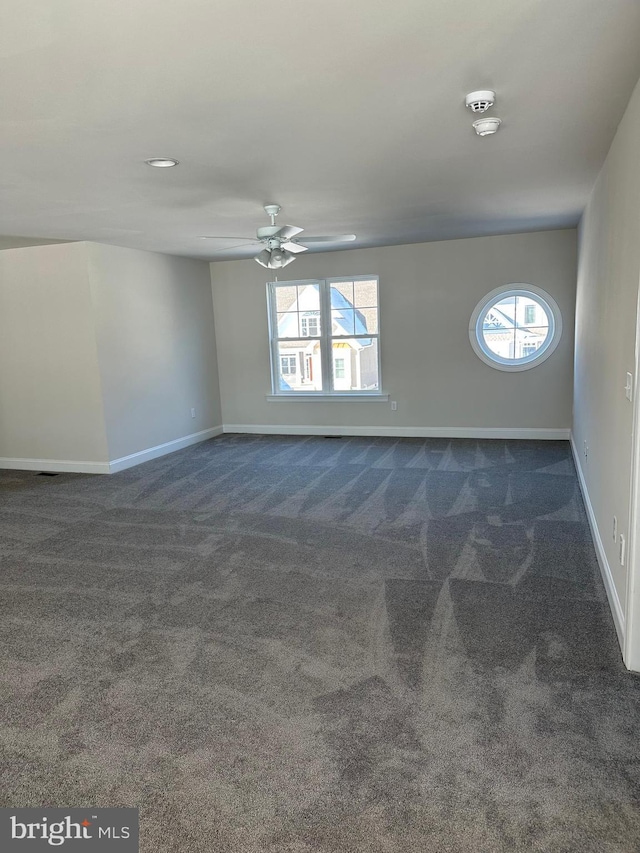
[363, 397]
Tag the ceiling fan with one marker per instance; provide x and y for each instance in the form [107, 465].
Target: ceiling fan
[281, 242]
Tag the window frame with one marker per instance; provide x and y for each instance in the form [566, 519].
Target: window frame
[510, 365]
[326, 339]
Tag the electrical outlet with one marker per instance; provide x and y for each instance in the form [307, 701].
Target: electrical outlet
[586, 450]
[615, 529]
[394, 406]
[622, 549]
[193, 413]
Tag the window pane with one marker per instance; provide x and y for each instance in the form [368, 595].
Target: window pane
[503, 311]
[499, 327]
[355, 364]
[299, 366]
[308, 297]
[506, 330]
[342, 294]
[500, 341]
[367, 320]
[288, 325]
[530, 339]
[342, 322]
[285, 298]
[365, 294]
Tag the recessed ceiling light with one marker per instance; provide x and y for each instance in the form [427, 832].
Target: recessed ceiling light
[161, 162]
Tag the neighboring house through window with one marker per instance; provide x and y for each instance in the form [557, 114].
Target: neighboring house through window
[329, 328]
[287, 365]
[309, 326]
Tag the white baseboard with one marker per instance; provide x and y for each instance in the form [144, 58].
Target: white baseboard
[162, 449]
[75, 467]
[561, 434]
[603, 562]
[55, 465]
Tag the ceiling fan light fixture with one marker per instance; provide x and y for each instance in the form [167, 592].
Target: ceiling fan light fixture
[274, 259]
[264, 258]
[280, 258]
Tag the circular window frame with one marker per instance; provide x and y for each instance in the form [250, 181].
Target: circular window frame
[551, 309]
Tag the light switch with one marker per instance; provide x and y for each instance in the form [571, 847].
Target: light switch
[628, 388]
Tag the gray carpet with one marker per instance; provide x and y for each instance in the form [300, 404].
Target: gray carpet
[306, 644]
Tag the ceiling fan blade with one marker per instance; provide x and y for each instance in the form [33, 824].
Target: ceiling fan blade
[287, 232]
[235, 246]
[219, 237]
[294, 247]
[339, 238]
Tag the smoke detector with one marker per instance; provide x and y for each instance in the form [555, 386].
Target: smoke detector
[481, 101]
[486, 126]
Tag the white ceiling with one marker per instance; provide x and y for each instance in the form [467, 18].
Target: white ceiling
[348, 113]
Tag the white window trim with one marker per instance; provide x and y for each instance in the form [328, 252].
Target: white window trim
[325, 337]
[336, 396]
[476, 337]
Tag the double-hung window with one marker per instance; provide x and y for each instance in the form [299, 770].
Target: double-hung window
[325, 336]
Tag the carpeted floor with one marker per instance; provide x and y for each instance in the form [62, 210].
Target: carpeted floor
[305, 644]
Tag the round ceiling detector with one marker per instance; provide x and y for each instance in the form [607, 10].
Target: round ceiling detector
[486, 126]
[161, 162]
[481, 101]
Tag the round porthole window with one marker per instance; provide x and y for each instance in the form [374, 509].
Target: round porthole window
[515, 327]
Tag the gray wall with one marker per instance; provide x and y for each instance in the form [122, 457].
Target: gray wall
[156, 343]
[427, 294]
[103, 353]
[21, 242]
[50, 400]
[607, 295]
